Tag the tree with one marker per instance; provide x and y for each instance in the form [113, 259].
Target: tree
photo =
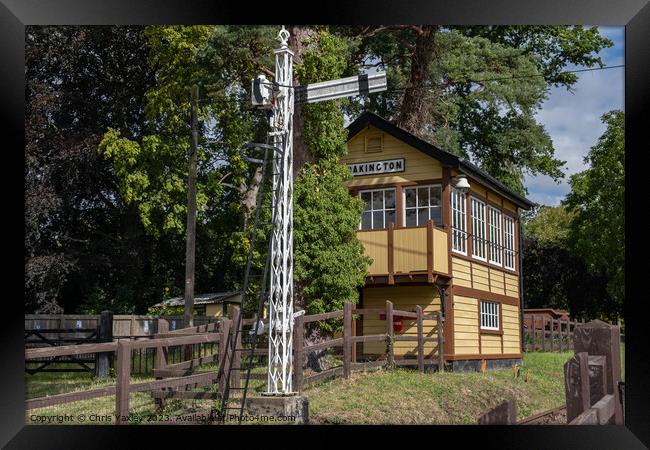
[79, 236]
[474, 91]
[555, 276]
[597, 198]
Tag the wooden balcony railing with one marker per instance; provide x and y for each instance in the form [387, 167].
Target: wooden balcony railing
[413, 253]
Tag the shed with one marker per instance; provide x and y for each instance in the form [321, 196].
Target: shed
[214, 304]
[543, 316]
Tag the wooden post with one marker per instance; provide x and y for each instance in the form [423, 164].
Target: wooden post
[105, 334]
[543, 333]
[560, 323]
[223, 351]
[576, 385]
[534, 331]
[354, 346]
[441, 341]
[552, 334]
[418, 311]
[599, 338]
[347, 331]
[390, 351]
[298, 355]
[161, 356]
[132, 327]
[122, 383]
[235, 379]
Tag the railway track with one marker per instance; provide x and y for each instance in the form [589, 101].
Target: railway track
[553, 416]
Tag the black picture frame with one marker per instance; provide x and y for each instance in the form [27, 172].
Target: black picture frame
[633, 14]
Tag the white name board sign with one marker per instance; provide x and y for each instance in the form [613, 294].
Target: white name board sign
[375, 167]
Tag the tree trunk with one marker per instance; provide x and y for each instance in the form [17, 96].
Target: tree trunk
[412, 113]
[301, 154]
[191, 217]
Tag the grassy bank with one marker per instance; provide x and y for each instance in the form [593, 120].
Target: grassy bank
[408, 397]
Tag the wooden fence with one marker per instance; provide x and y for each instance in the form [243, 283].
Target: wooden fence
[548, 335]
[161, 342]
[124, 326]
[594, 392]
[171, 375]
[592, 378]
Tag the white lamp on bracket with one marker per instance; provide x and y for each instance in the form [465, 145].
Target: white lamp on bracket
[461, 183]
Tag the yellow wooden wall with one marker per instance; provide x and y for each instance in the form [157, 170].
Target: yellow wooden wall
[410, 250]
[465, 325]
[440, 251]
[478, 276]
[511, 328]
[215, 310]
[419, 166]
[405, 298]
[375, 244]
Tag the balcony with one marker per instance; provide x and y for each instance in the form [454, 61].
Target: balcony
[414, 254]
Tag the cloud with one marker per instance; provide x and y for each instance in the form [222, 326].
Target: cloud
[573, 119]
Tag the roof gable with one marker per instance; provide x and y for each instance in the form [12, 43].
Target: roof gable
[445, 158]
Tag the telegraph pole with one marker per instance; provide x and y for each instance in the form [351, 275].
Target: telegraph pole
[190, 243]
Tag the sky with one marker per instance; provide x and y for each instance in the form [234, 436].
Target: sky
[573, 119]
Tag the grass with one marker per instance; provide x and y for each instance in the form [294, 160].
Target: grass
[401, 396]
[405, 396]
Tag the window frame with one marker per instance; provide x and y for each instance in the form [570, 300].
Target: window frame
[513, 251]
[484, 205]
[491, 314]
[372, 218]
[464, 231]
[416, 187]
[491, 243]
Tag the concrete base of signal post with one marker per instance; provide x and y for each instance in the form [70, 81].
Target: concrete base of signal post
[279, 408]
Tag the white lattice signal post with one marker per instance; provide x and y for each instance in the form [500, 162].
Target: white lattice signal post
[280, 96]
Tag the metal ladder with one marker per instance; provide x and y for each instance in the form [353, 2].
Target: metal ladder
[233, 337]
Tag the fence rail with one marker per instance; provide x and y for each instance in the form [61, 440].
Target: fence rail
[547, 334]
[172, 374]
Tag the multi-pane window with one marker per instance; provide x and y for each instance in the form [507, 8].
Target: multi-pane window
[489, 315]
[478, 228]
[421, 204]
[494, 224]
[458, 221]
[379, 209]
[509, 242]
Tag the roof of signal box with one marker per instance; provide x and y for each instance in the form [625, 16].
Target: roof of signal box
[446, 158]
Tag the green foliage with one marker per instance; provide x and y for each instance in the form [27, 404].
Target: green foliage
[482, 87]
[329, 261]
[597, 198]
[550, 225]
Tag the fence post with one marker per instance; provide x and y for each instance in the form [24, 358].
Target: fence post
[576, 385]
[354, 345]
[552, 334]
[223, 351]
[418, 311]
[105, 334]
[347, 331]
[161, 355]
[533, 321]
[441, 341]
[235, 379]
[599, 338]
[561, 333]
[298, 357]
[543, 333]
[122, 383]
[390, 351]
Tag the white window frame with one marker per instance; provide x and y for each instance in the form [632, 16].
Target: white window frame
[372, 211]
[458, 221]
[416, 207]
[489, 312]
[495, 231]
[509, 242]
[476, 221]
